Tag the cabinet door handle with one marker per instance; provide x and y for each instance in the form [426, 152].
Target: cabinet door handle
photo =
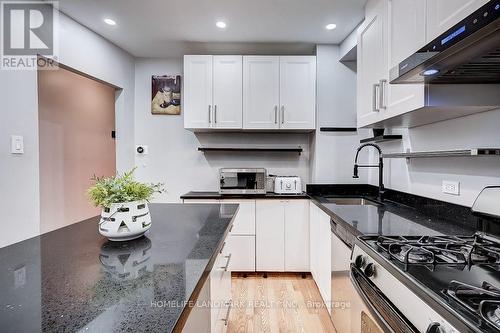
[215, 114]
[374, 96]
[222, 248]
[282, 114]
[209, 114]
[275, 114]
[227, 262]
[226, 320]
[382, 94]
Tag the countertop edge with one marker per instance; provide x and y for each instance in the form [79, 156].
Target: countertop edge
[181, 320]
[193, 195]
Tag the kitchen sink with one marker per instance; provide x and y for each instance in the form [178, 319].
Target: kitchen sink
[350, 201]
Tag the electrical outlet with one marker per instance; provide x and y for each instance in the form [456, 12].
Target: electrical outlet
[20, 277]
[451, 187]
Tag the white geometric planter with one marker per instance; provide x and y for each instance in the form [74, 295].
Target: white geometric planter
[125, 221]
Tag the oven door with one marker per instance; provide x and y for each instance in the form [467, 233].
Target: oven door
[373, 312]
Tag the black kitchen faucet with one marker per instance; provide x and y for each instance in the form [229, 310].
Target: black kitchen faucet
[380, 167]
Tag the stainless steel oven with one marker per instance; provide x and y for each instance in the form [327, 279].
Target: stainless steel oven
[242, 181]
[350, 312]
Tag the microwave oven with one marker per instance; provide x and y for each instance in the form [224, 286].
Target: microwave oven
[242, 181]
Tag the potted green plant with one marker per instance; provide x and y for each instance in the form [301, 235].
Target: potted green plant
[124, 201]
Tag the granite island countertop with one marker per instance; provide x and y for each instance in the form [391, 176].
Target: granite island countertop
[73, 279]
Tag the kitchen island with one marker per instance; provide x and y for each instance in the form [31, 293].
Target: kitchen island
[73, 279]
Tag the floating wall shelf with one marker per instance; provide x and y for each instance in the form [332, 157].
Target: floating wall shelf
[382, 138]
[338, 129]
[275, 149]
[447, 153]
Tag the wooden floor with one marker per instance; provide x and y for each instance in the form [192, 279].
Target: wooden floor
[279, 303]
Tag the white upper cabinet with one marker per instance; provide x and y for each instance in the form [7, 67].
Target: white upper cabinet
[406, 31]
[372, 62]
[443, 14]
[197, 91]
[249, 92]
[392, 31]
[261, 84]
[297, 92]
[227, 92]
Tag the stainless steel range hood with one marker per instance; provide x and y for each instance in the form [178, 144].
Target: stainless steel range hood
[469, 52]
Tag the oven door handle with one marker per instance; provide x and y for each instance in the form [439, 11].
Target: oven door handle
[387, 315]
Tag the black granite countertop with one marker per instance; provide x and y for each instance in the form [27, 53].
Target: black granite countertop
[399, 214]
[73, 279]
[218, 196]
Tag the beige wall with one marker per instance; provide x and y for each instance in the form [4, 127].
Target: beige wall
[76, 117]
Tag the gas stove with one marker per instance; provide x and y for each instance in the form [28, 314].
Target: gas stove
[442, 250]
[461, 272]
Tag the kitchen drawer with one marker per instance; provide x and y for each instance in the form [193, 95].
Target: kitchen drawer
[220, 291]
[242, 249]
[244, 223]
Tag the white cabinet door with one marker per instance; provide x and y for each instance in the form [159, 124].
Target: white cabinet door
[297, 92]
[197, 92]
[261, 84]
[324, 263]
[297, 236]
[227, 92]
[372, 62]
[406, 31]
[443, 14]
[244, 223]
[313, 240]
[320, 252]
[270, 238]
[242, 249]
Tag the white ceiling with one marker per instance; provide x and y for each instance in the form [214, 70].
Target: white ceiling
[171, 28]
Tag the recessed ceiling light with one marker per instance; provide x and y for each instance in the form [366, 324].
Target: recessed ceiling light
[109, 21]
[220, 24]
[330, 26]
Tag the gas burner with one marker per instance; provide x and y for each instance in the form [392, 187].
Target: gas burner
[484, 300]
[490, 310]
[451, 250]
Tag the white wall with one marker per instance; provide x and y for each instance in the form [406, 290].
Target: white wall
[424, 176]
[87, 52]
[333, 152]
[173, 157]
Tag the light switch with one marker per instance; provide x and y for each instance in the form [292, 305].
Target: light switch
[16, 144]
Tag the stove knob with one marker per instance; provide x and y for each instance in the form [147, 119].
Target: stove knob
[434, 328]
[370, 270]
[359, 261]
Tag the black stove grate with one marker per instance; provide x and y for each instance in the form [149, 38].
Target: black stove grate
[442, 250]
[483, 301]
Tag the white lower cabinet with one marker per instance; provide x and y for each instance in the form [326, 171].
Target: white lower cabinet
[244, 223]
[297, 236]
[320, 251]
[220, 292]
[270, 236]
[213, 306]
[243, 253]
[282, 236]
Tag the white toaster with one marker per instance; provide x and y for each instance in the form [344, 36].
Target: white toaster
[287, 185]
